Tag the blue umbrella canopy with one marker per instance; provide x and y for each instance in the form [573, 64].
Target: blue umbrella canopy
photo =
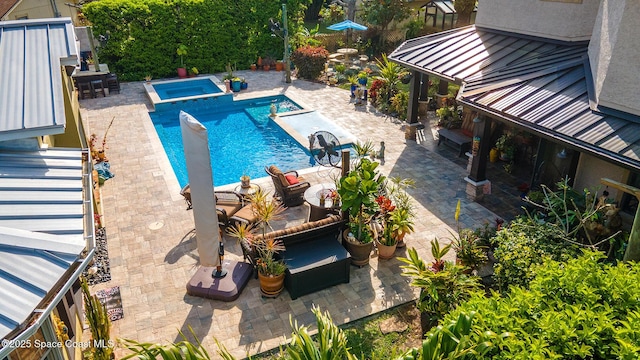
[346, 25]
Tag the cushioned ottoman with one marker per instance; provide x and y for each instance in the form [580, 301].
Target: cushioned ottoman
[315, 265]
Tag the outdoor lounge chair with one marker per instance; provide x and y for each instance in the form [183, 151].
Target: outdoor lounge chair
[230, 207]
[288, 185]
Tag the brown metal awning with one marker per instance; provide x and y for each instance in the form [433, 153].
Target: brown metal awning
[537, 84]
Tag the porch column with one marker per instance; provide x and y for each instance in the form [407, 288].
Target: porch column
[424, 87]
[414, 92]
[443, 91]
[423, 99]
[412, 110]
[477, 179]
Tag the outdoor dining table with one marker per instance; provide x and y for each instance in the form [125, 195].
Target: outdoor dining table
[347, 52]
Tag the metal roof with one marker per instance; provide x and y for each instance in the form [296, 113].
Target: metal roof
[31, 55]
[43, 215]
[539, 85]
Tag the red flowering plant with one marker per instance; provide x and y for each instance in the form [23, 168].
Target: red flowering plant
[374, 90]
[309, 61]
[389, 234]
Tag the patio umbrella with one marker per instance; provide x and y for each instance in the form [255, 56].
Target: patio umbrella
[196, 153]
[347, 25]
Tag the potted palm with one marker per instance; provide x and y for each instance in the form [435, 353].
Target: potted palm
[263, 250]
[358, 191]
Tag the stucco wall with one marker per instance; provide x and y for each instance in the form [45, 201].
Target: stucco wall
[614, 54]
[550, 19]
[40, 9]
[591, 170]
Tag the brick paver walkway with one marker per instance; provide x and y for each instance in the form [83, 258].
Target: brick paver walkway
[153, 253]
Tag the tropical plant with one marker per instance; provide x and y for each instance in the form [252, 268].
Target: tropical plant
[449, 117]
[330, 342]
[583, 308]
[182, 51]
[451, 341]
[264, 247]
[443, 285]
[306, 37]
[390, 74]
[99, 324]
[309, 61]
[374, 91]
[176, 351]
[400, 103]
[506, 144]
[358, 191]
[469, 250]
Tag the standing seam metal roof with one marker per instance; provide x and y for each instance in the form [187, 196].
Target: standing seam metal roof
[537, 84]
[42, 212]
[31, 53]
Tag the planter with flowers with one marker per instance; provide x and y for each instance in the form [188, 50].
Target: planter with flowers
[261, 250]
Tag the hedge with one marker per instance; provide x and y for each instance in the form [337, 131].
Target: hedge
[143, 35]
[579, 309]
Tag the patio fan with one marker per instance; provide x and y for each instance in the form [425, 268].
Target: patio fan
[324, 148]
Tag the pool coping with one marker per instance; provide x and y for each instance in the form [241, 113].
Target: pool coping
[155, 98]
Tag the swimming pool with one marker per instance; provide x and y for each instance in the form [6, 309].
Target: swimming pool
[242, 137]
[174, 90]
[183, 90]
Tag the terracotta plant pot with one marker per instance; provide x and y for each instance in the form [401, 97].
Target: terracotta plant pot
[360, 253]
[279, 66]
[271, 286]
[266, 67]
[182, 73]
[385, 251]
[253, 67]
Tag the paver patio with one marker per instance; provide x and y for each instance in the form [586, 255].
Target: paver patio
[152, 250]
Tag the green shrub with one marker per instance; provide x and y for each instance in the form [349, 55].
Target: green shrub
[579, 309]
[309, 61]
[443, 284]
[524, 244]
[142, 35]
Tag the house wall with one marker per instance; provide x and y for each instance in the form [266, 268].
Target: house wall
[566, 20]
[40, 9]
[73, 135]
[591, 170]
[614, 51]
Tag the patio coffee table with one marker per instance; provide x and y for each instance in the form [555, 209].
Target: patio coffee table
[312, 196]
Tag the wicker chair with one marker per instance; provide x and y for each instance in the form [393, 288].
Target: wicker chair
[289, 190]
[230, 206]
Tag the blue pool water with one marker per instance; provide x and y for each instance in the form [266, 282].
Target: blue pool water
[242, 137]
[180, 89]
